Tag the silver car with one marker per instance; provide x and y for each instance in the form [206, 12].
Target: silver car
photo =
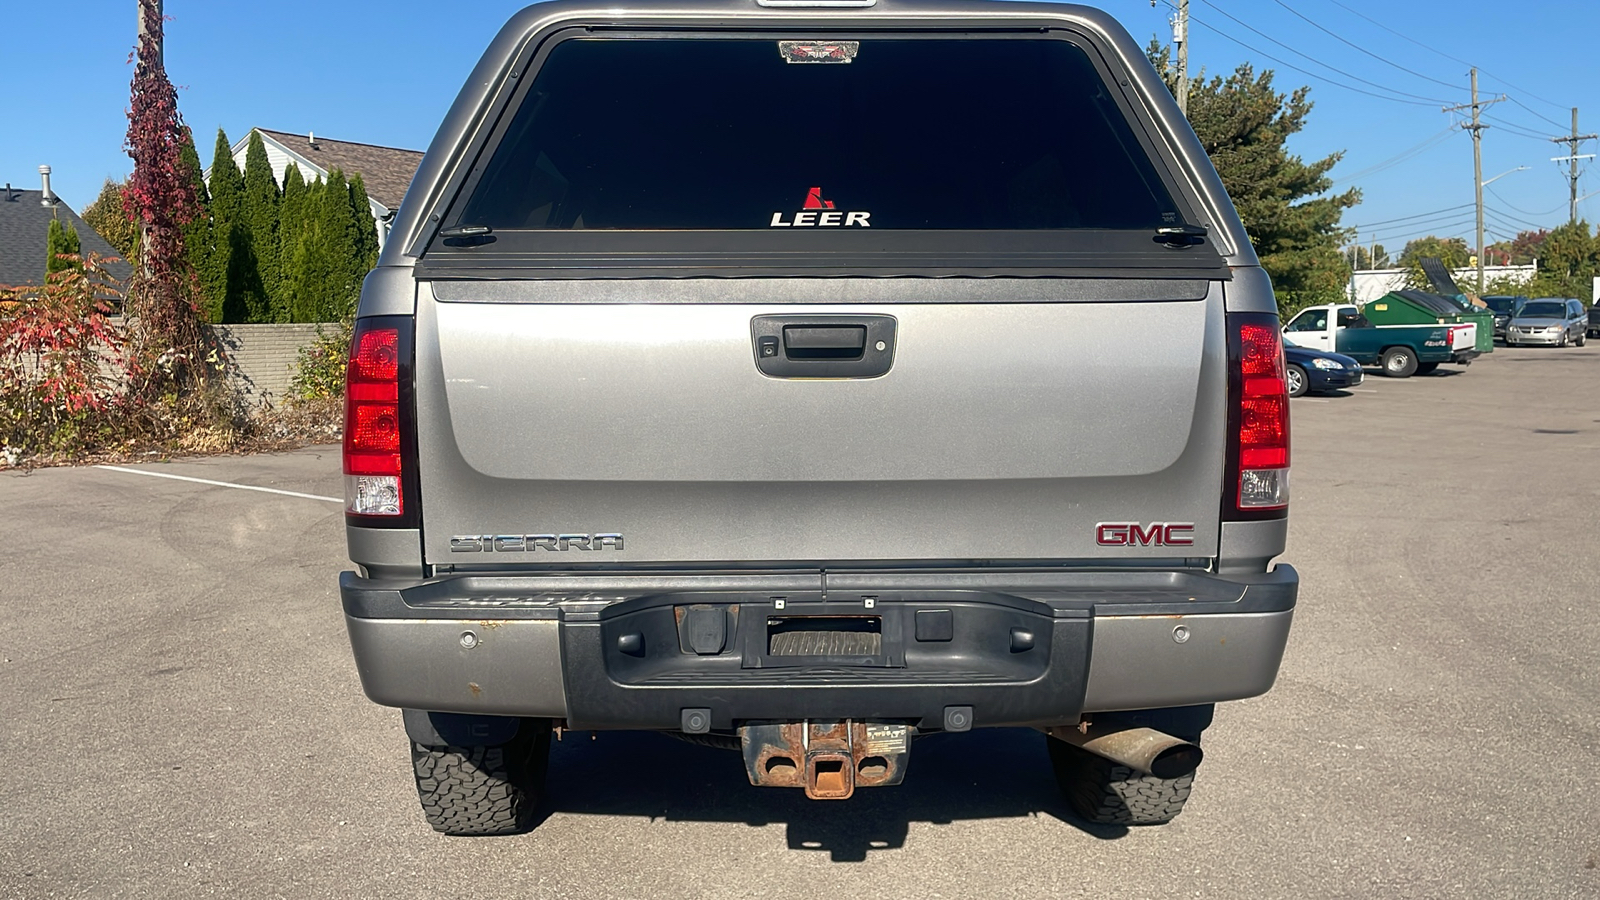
[1551, 321]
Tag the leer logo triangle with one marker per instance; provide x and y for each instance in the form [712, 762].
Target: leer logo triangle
[819, 213]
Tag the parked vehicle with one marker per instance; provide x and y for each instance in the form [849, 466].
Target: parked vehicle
[1400, 350]
[710, 385]
[1316, 372]
[1504, 307]
[1594, 320]
[1550, 321]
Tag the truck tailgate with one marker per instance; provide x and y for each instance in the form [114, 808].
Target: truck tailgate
[1001, 432]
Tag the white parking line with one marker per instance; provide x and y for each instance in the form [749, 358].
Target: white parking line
[242, 487]
[1362, 390]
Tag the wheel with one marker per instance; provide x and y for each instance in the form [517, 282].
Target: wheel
[1399, 362]
[1579, 340]
[1426, 368]
[1101, 791]
[1297, 381]
[483, 790]
[1562, 341]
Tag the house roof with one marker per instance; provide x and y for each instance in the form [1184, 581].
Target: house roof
[386, 171]
[24, 235]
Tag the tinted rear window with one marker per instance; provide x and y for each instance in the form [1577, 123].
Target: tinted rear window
[994, 134]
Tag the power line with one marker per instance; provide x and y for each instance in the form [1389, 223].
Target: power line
[1426, 215]
[1508, 217]
[1516, 130]
[1441, 53]
[1292, 67]
[1536, 112]
[1313, 59]
[1520, 209]
[1398, 158]
[1388, 62]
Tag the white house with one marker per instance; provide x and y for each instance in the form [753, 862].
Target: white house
[1374, 283]
[386, 171]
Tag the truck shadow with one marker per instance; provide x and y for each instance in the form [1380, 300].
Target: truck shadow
[985, 774]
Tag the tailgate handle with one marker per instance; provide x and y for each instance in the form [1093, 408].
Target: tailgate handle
[811, 346]
[824, 341]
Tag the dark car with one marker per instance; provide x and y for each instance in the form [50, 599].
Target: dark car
[1503, 308]
[1594, 320]
[1315, 372]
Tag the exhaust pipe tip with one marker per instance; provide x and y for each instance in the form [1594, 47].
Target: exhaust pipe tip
[1177, 761]
[1144, 750]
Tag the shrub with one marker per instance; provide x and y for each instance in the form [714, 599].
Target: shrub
[320, 371]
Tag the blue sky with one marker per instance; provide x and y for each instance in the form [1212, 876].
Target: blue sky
[385, 72]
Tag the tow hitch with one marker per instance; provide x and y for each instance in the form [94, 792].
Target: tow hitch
[827, 758]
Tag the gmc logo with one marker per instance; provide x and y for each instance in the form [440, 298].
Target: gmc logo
[1133, 534]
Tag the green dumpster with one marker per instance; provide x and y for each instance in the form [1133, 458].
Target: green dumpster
[1423, 308]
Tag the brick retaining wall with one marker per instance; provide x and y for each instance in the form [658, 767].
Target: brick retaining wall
[265, 357]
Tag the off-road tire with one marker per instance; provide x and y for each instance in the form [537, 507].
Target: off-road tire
[1105, 793]
[1399, 362]
[474, 791]
[1427, 368]
[1304, 385]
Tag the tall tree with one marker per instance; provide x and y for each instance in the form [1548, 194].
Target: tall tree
[338, 235]
[225, 270]
[1371, 257]
[60, 239]
[1569, 261]
[197, 237]
[1453, 251]
[109, 220]
[291, 222]
[366, 228]
[1244, 123]
[314, 267]
[261, 212]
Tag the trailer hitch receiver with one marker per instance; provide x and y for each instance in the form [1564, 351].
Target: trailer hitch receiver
[830, 759]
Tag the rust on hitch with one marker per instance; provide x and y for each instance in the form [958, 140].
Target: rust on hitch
[830, 759]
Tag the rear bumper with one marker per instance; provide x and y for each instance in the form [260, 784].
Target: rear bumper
[634, 652]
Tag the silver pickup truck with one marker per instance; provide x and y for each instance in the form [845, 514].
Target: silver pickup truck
[807, 377]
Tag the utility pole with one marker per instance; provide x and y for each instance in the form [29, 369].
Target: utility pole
[145, 28]
[1477, 127]
[1573, 142]
[148, 31]
[1180, 36]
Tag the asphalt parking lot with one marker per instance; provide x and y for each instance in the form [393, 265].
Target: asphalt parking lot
[180, 716]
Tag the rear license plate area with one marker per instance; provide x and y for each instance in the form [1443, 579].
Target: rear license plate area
[791, 636]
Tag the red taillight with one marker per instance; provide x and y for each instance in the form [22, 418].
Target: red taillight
[1261, 438]
[372, 431]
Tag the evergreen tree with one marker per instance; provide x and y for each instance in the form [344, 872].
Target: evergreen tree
[60, 240]
[313, 264]
[291, 222]
[197, 237]
[261, 212]
[109, 219]
[224, 276]
[366, 233]
[337, 222]
[1244, 124]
